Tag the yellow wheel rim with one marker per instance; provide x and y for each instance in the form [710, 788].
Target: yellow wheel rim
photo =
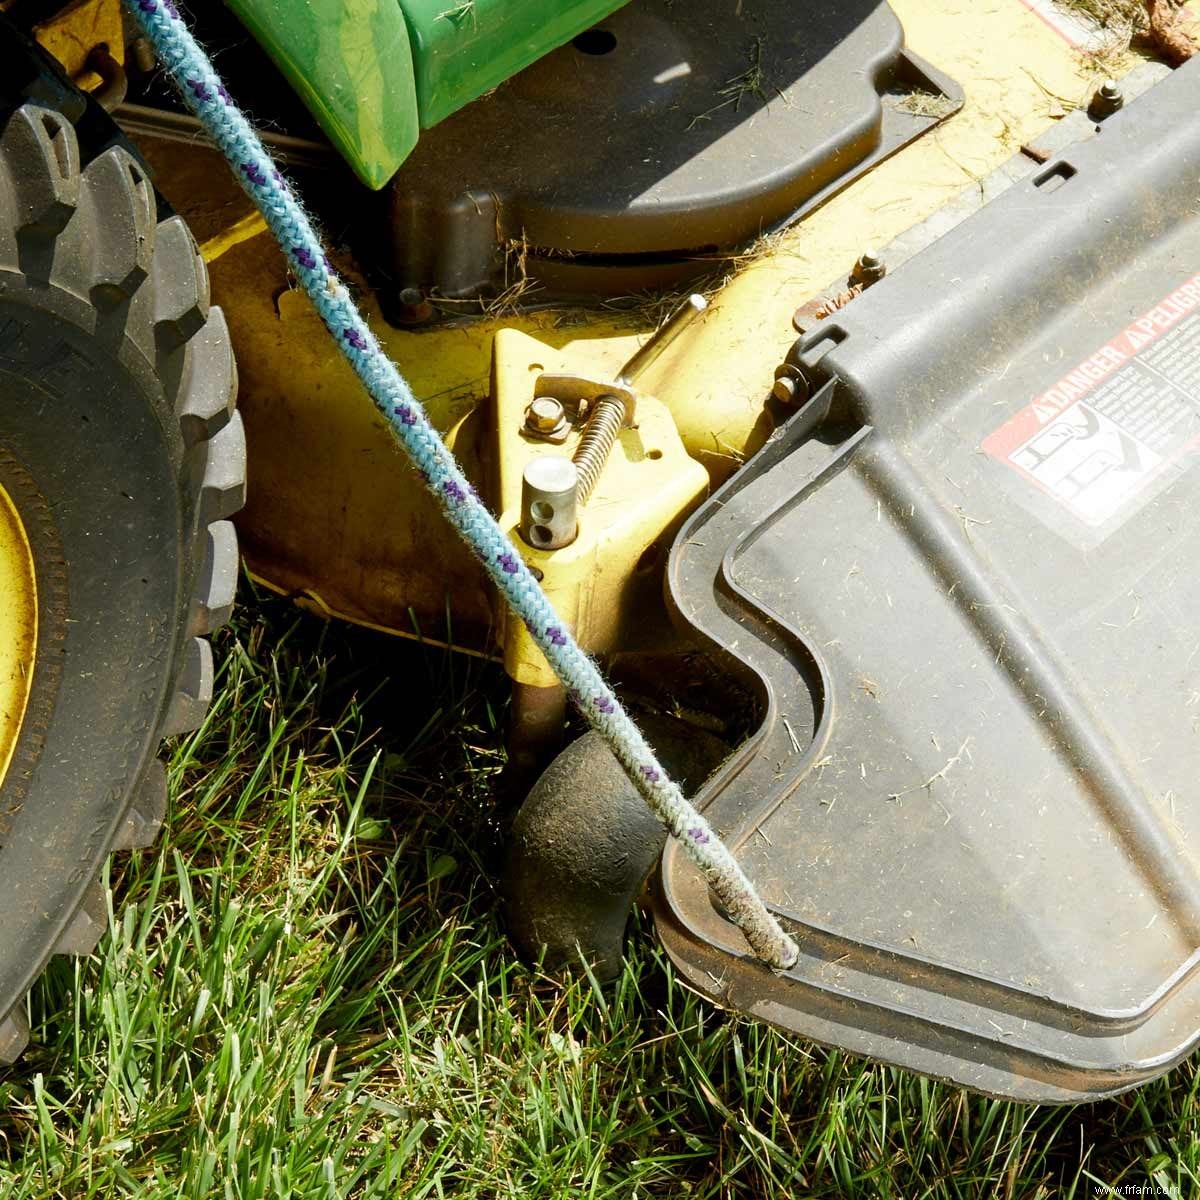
[18, 627]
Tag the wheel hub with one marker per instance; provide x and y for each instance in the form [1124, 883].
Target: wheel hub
[18, 627]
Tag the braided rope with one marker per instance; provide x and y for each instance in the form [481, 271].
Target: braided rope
[203, 91]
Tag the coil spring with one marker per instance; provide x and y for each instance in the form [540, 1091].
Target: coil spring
[599, 434]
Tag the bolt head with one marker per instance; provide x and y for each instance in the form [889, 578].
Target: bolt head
[790, 386]
[544, 415]
[869, 268]
[1107, 98]
[784, 389]
[412, 307]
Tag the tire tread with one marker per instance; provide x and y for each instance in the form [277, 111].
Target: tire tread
[127, 262]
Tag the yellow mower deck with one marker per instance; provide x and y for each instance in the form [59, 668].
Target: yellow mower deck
[334, 518]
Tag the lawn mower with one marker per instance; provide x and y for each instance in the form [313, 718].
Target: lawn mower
[835, 367]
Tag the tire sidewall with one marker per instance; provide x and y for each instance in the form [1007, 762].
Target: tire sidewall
[84, 418]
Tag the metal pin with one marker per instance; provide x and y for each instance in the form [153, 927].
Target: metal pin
[549, 508]
[662, 337]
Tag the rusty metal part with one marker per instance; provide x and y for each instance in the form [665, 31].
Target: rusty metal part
[72, 34]
[412, 307]
[820, 307]
[537, 721]
[869, 269]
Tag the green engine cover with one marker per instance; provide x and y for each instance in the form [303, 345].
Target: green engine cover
[376, 72]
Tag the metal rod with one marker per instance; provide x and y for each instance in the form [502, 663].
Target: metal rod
[139, 119]
[662, 337]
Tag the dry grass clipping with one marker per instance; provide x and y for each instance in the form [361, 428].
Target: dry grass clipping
[1160, 25]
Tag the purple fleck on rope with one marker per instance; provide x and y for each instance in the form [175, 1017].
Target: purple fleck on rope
[253, 172]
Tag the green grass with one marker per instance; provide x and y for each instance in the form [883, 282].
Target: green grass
[305, 992]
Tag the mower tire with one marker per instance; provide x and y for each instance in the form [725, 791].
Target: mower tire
[121, 458]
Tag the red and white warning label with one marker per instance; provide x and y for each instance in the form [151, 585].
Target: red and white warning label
[1107, 429]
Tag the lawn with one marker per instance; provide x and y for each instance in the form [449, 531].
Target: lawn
[305, 992]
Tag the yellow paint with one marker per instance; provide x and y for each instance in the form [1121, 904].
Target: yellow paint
[242, 230]
[18, 627]
[73, 33]
[333, 512]
[648, 484]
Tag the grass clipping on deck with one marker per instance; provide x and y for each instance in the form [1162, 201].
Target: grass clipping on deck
[1162, 26]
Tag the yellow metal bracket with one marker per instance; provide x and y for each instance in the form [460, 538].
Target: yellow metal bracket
[71, 35]
[648, 484]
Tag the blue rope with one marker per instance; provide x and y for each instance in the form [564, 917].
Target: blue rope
[203, 91]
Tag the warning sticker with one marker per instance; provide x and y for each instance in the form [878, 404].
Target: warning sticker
[1108, 429]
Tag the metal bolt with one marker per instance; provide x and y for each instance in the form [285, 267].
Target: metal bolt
[869, 269]
[413, 307]
[549, 502]
[790, 386]
[784, 389]
[1107, 99]
[545, 415]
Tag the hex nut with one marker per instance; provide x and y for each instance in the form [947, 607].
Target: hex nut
[544, 415]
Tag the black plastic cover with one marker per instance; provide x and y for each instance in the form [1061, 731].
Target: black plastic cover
[964, 581]
[665, 138]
